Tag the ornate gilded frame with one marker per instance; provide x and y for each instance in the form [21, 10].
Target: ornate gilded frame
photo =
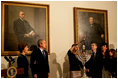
[85, 10]
[3, 3]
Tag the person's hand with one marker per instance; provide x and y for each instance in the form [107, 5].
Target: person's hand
[35, 75]
[71, 49]
[87, 70]
[33, 34]
[48, 74]
[27, 35]
[35, 62]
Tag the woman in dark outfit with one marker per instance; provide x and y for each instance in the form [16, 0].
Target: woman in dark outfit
[75, 64]
[22, 61]
[105, 62]
[113, 63]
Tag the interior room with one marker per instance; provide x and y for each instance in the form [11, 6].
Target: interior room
[60, 22]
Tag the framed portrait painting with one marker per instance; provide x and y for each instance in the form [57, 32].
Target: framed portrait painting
[23, 23]
[90, 25]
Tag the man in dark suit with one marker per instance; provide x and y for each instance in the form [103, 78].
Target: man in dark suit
[24, 32]
[39, 61]
[94, 65]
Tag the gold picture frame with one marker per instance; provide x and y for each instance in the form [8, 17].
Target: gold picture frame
[37, 15]
[82, 22]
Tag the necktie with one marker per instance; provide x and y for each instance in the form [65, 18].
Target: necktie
[44, 54]
[93, 54]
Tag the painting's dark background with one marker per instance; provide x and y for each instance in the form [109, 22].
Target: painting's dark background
[35, 16]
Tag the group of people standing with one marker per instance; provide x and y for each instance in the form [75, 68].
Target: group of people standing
[102, 64]
[38, 60]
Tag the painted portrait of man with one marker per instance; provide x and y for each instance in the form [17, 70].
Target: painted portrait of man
[23, 24]
[91, 26]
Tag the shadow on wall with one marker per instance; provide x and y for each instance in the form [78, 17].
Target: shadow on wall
[111, 46]
[66, 72]
[54, 67]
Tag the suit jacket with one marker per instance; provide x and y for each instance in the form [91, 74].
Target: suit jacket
[39, 63]
[21, 28]
[75, 64]
[95, 65]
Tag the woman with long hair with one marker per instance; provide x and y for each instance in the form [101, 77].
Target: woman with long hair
[113, 62]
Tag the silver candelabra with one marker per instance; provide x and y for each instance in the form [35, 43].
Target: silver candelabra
[84, 57]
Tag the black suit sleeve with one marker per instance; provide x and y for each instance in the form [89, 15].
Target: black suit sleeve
[32, 60]
[48, 69]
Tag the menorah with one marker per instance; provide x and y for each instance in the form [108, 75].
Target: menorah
[84, 57]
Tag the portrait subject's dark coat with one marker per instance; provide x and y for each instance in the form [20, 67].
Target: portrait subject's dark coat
[21, 28]
[93, 33]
